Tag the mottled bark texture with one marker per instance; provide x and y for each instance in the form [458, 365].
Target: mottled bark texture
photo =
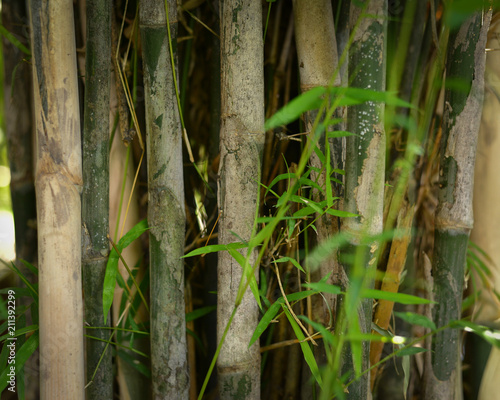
[166, 214]
[95, 196]
[58, 187]
[241, 143]
[454, 220]
[365, 164]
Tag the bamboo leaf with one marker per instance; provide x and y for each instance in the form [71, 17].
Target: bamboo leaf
[410, 351]
[265, 321]
[306, 348]
[338, 134]
[200, 312]
[213, 248]
[112, 265]
[395, 297]
[280, 177]
[270, 314]
[15, 42]
[416, 319]
[323, 287]
[248, 273]
[22, 355]
[489, 335]
[292, 260]
[354, 95]
[309, 100]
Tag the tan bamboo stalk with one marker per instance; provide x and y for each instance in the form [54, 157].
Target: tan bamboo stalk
[486, 233]
[317, 59]
[58, 187]
[166, 214]
[391, 281]
[241, 144]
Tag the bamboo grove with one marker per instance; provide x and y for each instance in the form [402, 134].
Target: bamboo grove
[244, 199]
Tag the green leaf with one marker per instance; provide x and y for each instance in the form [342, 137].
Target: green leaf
[31, 267]
[410, 351]
[112, 265]
[337, 134]
[292, 260]
[325, 333]
[265, 321]
[20, 331]
[395, 297]
[15, 42]
[489, 335]
[352, 96]
[309, 100]
[416, 319]
[248, 273]
[34, 292]
[340, 213]
[273, 310]
[280, 177]
[306, 348]
[323, 287]
[213, 248]
[199, 312]
[22, 355]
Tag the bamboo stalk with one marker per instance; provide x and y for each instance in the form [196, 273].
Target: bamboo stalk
[241, 144]
[365, 165]
[391, 281]
[317, 58]
[58, 187]
[166, 214]
[95, 196]
[454, 220]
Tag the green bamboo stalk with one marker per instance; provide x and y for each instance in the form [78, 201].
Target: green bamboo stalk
[454, 219]
[365, 156]
[95, 196]
[166, 213]
[58, 188]
[242, 138]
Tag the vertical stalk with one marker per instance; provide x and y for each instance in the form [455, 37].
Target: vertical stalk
[454, 219]
[58, 187]
[95, 197]
[166, 214]
[241, 143]
[317, 58]
[364, 179]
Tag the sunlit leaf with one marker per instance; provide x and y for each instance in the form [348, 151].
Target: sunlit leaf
[308, 100]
